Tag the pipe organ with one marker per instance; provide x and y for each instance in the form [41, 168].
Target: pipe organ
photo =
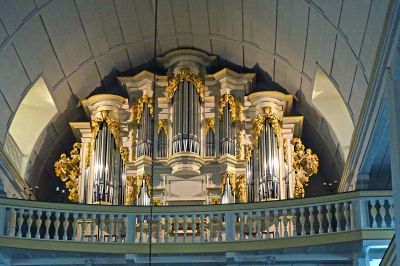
[204, 140]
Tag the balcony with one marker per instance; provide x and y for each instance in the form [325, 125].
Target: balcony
[352, 216]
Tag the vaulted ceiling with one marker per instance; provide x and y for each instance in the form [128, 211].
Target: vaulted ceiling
[75, 45]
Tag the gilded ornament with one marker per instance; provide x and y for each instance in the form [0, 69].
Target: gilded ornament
[234, 106]
[305, 164]
[215, 200]
[163, 125]
[285, 150]
[231, 176]
[140, 106]
[272, 119]
[133, 133]
[209, 124]
[112, 123]
[185, 74]
[88, 153]
[156, 202]
[249, 150]
[134, 187]
[124, 153]
[241, 188]
[239, 143]
[68, 170]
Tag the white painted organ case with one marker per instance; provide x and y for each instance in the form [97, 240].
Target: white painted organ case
[204, 140]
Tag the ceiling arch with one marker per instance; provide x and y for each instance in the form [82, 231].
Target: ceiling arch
[75, 45]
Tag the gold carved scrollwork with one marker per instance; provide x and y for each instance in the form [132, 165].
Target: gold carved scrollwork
[249, 150]
[68, 170]
[272, 119]
[140, 106]
[285, 150]
[134, 186]
[124, 151]
[232, 182]
[235, 107]
[185, 74]
[241, 188]
[156, 202]
[163, 125]
[209, 124]
[88, 153]
[215, 200]
[305, 164]
[112, 123]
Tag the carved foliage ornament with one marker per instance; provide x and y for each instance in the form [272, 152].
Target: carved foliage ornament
[112, 123]
[235, 107]
[232, 182]
[272, 119]
[305, 164]
[185, 74]
[249, 150]
[124, 153]
[241, 188]
[68, 170]
[134, 186]
[163, 125]
[140, 106]
[209, 124]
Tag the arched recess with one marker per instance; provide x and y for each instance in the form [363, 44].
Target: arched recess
[33, 115]
[329, 102]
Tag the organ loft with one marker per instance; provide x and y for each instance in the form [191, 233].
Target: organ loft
[187, 137]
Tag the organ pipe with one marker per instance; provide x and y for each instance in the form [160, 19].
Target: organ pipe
[186, 119]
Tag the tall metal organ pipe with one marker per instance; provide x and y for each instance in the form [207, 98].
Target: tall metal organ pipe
[145, 129]
[268, 164]
[186, 123]
[251, 185]
[227, 132]
[107, 169]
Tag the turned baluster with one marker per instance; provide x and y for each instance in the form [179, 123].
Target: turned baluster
[202, 217]
[302, 221]
[167, 225]
[110, 228]
[391, 213]
[276, 222]
[158, 236]
[293, 222]
[176, 228]
[20, 220]
[346, 215]
[39, 223]
[101, 222]
[211, 225]
[74, 226]
[373, 214]
[351, 215]
[47, 224]
[241, 226]
[193, 227]
[220, 225]
[329, 216]
[267, 224]
[92, 227]
[140, 221]
[285, 223]
[311, 219]
[29, 224]
[380, 211]
[337, 217]
[83, 226]
[65, 225]
[57, 225]
[259, 233]
[184, 228]
[320, 217]
[118, 231]
[250, 224]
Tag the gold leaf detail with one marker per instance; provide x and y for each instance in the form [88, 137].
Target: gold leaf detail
[185, 74]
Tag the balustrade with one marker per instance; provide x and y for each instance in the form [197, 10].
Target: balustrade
[227, 223]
